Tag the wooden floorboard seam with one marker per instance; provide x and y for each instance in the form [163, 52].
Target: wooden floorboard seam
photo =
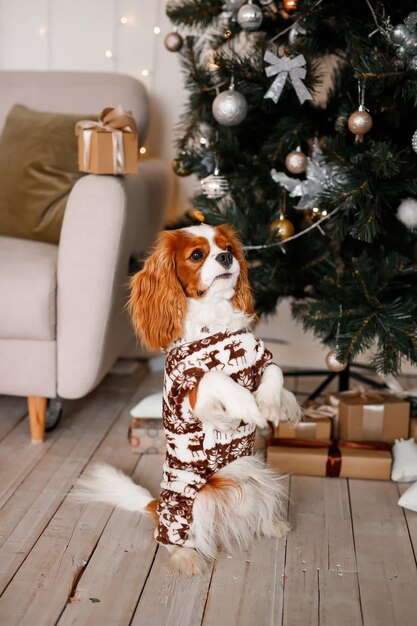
[284, 572]
[78, 576]
[408, 527]
[15, 425]
[354, 548]
[208, 594]
[144, 585]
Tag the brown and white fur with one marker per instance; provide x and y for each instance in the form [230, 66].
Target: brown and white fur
[195, 284]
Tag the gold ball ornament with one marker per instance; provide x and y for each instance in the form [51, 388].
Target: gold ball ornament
[290, 5]
[173, 42]
[360, 123]
[179, 168]
[284, 228]
[198, 216]
[296, 162]
[333, 363]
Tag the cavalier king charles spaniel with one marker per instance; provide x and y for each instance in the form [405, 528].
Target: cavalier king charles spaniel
[193, 300]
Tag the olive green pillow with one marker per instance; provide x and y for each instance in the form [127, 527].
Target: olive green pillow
[38, 168]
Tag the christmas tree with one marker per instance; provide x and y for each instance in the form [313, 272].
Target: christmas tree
[301, 125]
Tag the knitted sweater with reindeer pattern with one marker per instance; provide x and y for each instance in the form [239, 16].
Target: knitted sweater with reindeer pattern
[196, 451]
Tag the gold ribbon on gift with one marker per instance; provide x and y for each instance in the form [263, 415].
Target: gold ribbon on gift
[113, 120]
[334, 449]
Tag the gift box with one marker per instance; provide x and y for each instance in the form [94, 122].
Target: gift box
[334, 459]
[308, 428]
[110, 145]
[146, 435]
[369, 415]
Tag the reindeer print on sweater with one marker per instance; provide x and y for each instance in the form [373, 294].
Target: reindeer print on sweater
[194, 451]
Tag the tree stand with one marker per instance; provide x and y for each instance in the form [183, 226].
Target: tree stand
[344, 378]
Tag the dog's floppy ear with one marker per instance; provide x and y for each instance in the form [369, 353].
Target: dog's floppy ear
[242, 299]
[157, 301]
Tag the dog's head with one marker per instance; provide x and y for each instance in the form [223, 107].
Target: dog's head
[200, 262]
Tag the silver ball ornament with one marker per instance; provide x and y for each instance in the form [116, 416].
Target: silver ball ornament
[249, 17]
[229, 107]
[295, 35]
[413, 64]
[400, 33]
[401, 52]
[410, 45]
[333, 363]
[296, 162]
[214, 186]
[414, 141]
[411, 20]
[234, 5]
[173, 42]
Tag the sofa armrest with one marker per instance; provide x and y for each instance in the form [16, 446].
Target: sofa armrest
[106, 220]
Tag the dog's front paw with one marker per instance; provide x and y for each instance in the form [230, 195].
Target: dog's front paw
[214, 413]
[187, 561]
[245, 408]
[281, 529]
[268, 401]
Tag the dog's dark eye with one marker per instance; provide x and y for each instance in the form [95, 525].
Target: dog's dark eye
[229, 249]
[196, 255]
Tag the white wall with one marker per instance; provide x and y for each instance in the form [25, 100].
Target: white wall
[75, 35]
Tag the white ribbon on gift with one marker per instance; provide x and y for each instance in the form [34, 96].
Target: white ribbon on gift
[286, 67]
[322, 411]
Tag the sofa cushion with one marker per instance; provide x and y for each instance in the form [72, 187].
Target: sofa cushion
[38, 168]
[27, 289]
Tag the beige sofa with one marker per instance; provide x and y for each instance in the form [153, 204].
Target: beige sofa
[63, 321]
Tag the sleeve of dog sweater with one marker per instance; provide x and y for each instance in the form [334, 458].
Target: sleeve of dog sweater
[185, 468]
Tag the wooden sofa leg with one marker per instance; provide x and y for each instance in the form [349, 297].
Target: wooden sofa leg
[37, 415]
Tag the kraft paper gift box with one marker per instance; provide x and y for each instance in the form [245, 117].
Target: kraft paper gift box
[320, 458]
[146, 435]
[369, 415]
[308, 428]
[110, 145]
[317, 423]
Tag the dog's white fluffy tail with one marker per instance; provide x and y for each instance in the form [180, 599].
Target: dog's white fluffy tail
[290, 408]
[104, 483]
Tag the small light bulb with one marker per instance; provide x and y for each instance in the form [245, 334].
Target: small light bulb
[123, 20]
[109, 54]
[324, 213]
[145, 72]
[42, 31]
[156, 30]
[203, 140]
[315, 210]
[142, 150]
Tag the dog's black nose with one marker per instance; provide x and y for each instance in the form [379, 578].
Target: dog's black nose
[225, 259]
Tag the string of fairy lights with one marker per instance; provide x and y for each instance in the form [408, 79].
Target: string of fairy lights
[122, 19]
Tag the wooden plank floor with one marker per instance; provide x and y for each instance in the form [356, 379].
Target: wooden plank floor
[349, 560]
